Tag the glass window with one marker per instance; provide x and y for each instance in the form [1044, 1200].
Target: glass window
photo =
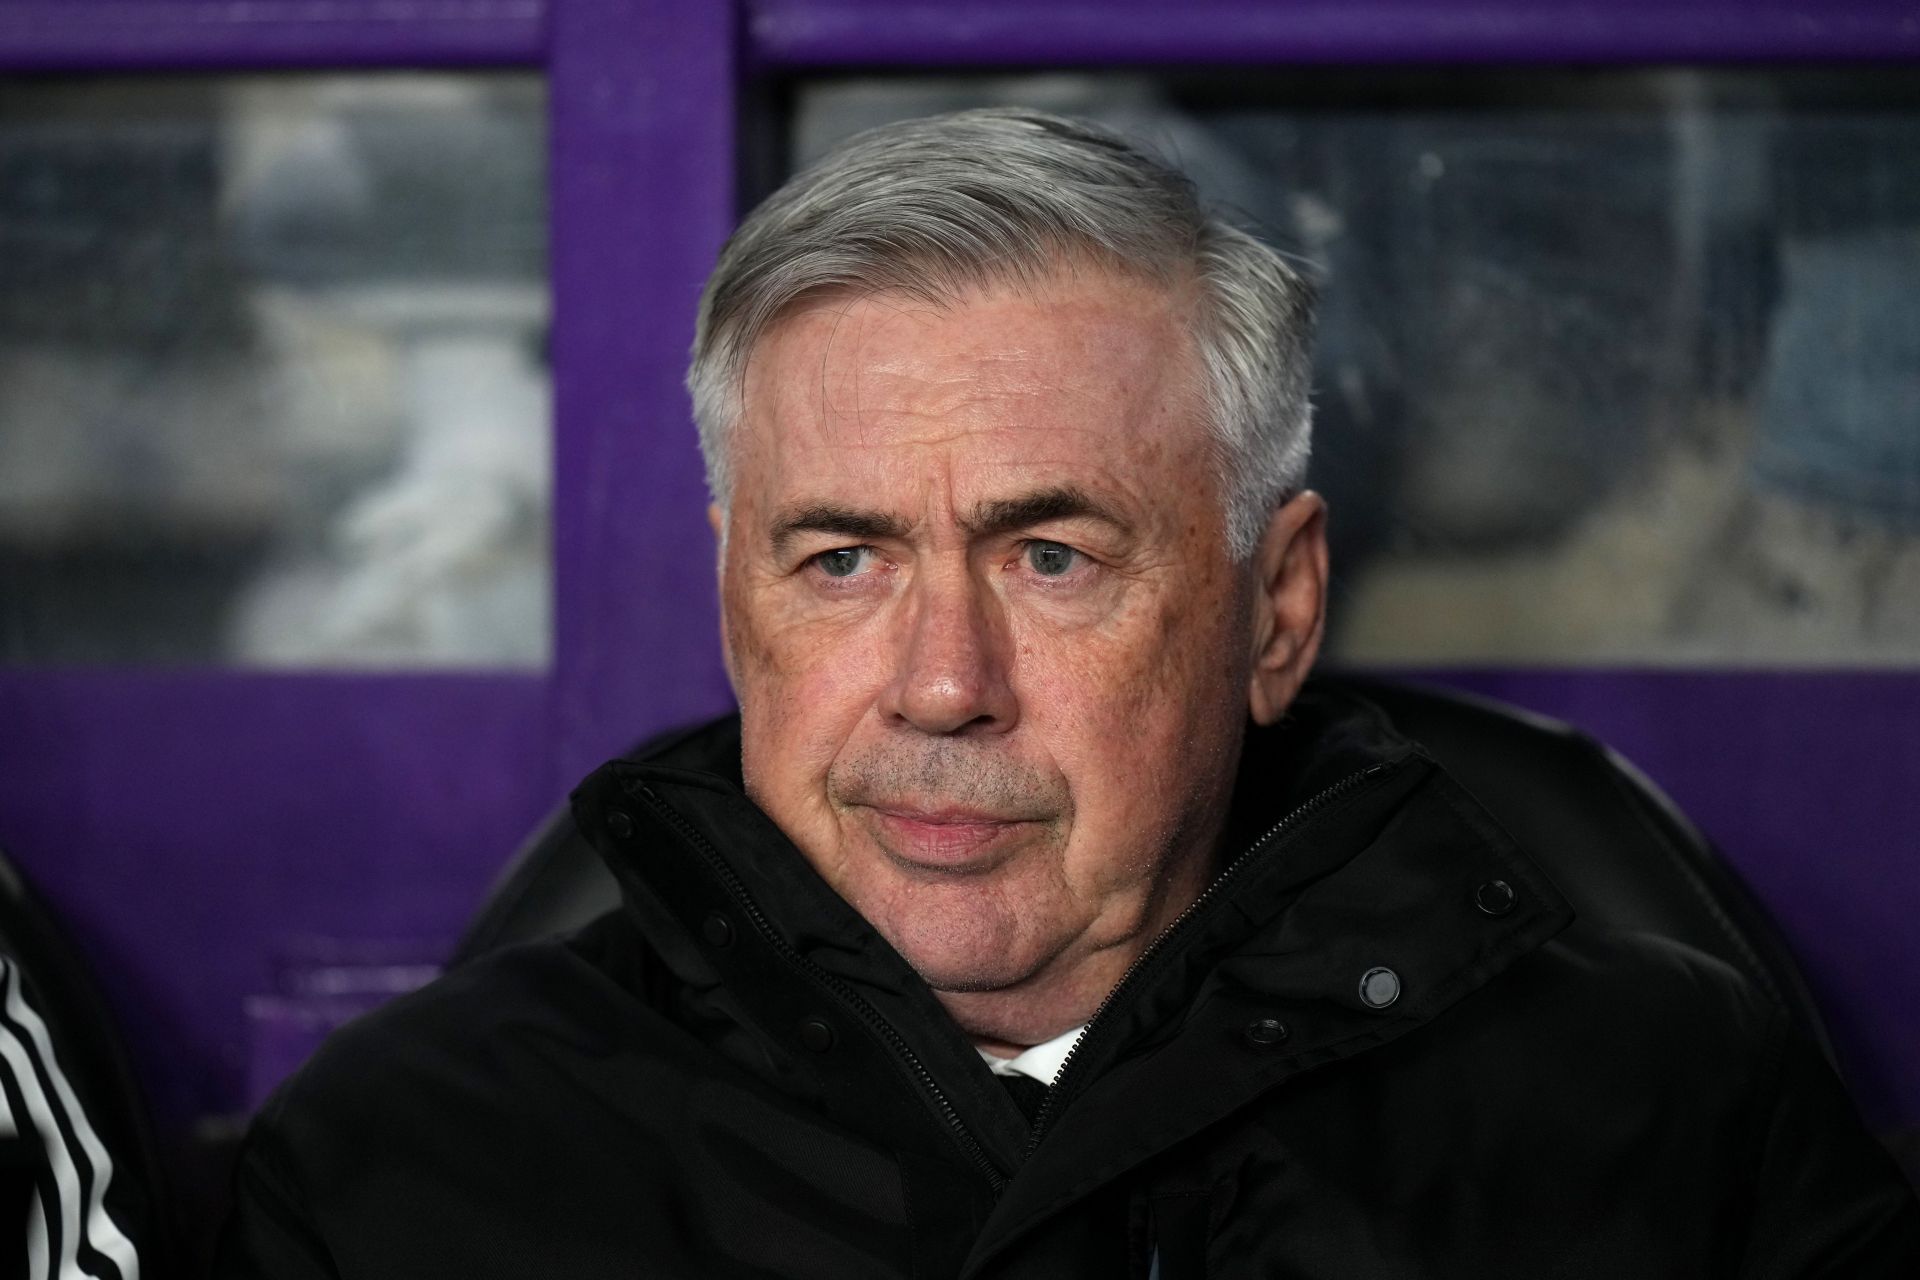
[273, 379]
[1614, 366]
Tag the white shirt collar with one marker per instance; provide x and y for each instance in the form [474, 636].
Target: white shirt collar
[1042, 1061]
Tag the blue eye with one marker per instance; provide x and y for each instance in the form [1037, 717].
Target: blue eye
[842, 562]
[1051, 559]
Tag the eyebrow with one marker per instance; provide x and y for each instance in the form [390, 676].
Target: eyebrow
[827, 517]
[1061, 502]
[1003, 515]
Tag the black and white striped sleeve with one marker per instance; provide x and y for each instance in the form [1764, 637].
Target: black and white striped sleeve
[56, 1169]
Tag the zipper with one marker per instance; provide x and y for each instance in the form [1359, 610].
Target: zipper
[1051, 1103]
[737, 889]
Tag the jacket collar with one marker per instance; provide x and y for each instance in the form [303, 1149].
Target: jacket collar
[1356, 853]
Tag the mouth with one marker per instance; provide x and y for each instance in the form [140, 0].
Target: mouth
[947, 839]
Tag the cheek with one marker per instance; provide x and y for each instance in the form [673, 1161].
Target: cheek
[803, 689]
[1141, 715]
[1161, 655]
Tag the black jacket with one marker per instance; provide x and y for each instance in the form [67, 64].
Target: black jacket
[735, 1076]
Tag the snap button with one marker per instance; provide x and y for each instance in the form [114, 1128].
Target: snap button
[1495, 897]
[1379, 988]
[717, 929]
[1266, 1031]
[620, 822]
[816, 1035]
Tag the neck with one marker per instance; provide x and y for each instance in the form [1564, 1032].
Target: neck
[1000, 1048]
[1066, 992]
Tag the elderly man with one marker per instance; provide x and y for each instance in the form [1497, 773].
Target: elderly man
[1030, 919]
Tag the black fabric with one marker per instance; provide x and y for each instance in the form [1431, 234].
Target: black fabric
[779, 1094]
[1028, 1094]
[1612, 842]
[1180, 1228]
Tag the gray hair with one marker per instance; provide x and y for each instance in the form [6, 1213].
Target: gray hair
[935, 207]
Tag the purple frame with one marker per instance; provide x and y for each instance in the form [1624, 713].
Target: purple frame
[196, 35]
[190, 824]
[844, 34]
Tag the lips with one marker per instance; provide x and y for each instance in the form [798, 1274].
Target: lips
[946, 839]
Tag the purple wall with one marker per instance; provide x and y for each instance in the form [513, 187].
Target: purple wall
[195, 826]
[190, 826]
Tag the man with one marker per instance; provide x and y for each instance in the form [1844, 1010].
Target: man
[1020, 589]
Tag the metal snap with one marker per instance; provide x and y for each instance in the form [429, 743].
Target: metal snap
[1379, 988]
[620, 823]
[1495, 897]
[717, 929]
[1266, 1031]
[816, 1035]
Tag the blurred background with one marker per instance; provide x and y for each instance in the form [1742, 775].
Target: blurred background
[273, 371]
[350, 508]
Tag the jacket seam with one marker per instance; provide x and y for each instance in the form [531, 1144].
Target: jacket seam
[1635, 806]
[1514, 859]
[288, 1205]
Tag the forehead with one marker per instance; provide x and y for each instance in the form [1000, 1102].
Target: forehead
[1074, 377]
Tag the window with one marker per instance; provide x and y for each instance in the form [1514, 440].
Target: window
[273, 380]
[1615, 366]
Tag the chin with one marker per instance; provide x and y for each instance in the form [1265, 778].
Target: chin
[968, 979]
[961, 952]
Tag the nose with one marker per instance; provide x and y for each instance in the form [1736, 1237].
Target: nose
[951, 662]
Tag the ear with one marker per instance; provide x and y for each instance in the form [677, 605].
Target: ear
[717, 521]
[1290, 604]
